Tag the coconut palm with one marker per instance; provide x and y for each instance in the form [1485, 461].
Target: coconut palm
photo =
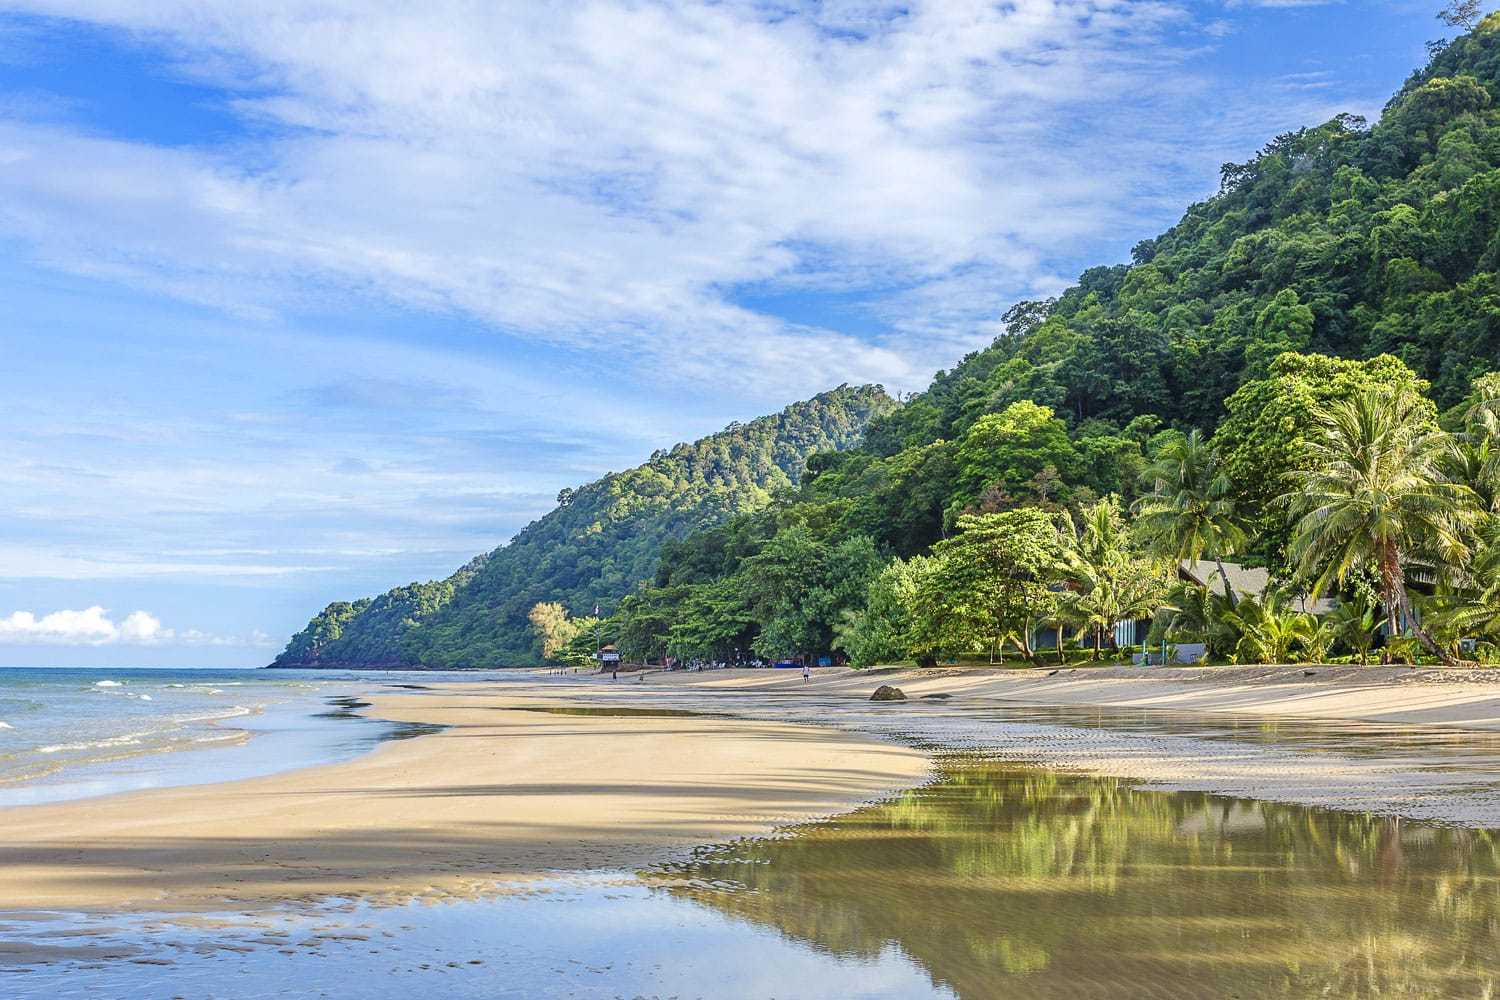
[1188, 514]
[1354, 623]
[1271, 630]
[1475, 609]
[1107, 580]
[1374, 494]
[1479, 445]
[1192, 612]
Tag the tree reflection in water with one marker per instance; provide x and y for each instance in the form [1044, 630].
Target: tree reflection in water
[1010, 881]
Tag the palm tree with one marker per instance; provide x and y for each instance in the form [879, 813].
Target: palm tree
[1269, 629]
[1194, 613]
[1188, 514]
[1374, 494]
[1107, 580]
[1476, 458]
[1354, 623]
[1476, 608]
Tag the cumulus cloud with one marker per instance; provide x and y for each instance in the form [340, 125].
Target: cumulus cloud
[93, 626]
[608, 174]
[89, 627]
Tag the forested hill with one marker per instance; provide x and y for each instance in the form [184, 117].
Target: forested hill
[600, 542]
[1342, 255]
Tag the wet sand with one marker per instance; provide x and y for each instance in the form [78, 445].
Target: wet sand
[1417, 744]
[509, 792]
[500, 795]
[1468, 699]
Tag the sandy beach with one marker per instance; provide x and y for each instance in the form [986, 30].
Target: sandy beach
[510, 792]
[500, 795]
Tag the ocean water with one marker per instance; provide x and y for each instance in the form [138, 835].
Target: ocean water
[74, 733]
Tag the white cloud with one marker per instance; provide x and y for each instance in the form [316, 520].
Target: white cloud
[89, 627]
[604, 174]
[93, 626]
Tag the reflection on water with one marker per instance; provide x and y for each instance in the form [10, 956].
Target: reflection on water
[996, 881]
[1007, 881]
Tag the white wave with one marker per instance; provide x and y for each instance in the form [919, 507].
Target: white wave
[128, 740]
[228, 713]
[107, 684]
[144, 697]
[6, 725]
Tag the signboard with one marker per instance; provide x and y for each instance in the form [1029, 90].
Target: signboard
[610, 657]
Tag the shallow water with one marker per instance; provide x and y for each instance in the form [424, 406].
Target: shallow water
[75, 733]
[995, 881]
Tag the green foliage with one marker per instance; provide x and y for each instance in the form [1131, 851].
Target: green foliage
[1107, 579]
[1265, 437]
[1007, 451]
[1270, 631]
[989, 584]
[882, 631]
[1374, 495]
[1189, 514]
[599, 543]
[369, 632]
[1198, 383]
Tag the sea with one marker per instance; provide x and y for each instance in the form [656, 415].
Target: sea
[68, 733]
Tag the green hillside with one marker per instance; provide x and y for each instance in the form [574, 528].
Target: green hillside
[1320, 327]
[600, 541]
[1245, 322]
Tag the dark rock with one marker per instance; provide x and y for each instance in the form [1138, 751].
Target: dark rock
[887, 693]
[936, 697]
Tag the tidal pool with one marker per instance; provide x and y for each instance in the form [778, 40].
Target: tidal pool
[995, 881]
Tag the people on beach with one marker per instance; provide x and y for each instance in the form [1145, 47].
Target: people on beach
[806, 670]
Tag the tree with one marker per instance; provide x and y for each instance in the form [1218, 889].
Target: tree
[990, 583]
[798, 587]
[1479, 457]
[1374, 496]
[1107, 581]
[1189, 514]
[881, 630]
[1354, 623]
[1271, 419]
[551, 626]
[1009, 450]
[1461, 14]
[1476, 610]
[1194, 613]
[1269, 629]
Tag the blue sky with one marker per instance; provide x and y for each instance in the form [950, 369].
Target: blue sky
[303, 301]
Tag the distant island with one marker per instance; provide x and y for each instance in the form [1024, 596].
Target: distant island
[1293, 385]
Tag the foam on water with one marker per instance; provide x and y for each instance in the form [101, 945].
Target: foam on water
[70, 733]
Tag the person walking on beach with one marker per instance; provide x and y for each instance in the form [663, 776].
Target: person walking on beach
[806, 671]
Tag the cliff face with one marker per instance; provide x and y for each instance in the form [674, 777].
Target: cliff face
[600, 542]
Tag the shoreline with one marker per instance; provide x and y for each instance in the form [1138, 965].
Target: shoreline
[501, 795]
[536, 778]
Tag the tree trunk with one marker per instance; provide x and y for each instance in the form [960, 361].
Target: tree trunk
[1098, 641]
[1027, 650]
[1425, 637]
[1394, 580]
[1228, 590]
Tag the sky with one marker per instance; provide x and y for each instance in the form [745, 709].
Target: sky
[303, 300]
